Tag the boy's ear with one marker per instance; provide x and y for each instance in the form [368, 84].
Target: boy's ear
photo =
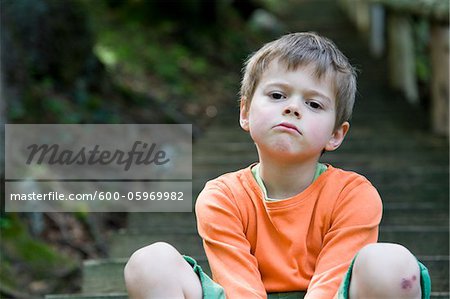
[243, 115]
[337, 137]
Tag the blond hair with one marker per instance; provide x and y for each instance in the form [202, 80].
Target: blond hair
[304, 49]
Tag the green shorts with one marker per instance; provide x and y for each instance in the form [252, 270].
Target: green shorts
[212, 290]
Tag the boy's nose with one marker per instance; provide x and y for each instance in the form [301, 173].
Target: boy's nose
[292, 110]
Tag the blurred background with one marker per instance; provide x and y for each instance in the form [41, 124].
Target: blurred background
[167, 61]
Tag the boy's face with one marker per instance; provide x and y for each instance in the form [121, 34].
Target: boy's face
[292, 114]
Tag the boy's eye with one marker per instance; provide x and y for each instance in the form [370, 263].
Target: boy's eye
[277, 95]
[313, 105]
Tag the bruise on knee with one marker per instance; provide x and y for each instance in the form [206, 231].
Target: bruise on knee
[385, 271]
[408, 283]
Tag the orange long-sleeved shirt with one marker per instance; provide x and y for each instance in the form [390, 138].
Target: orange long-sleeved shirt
[305, 242]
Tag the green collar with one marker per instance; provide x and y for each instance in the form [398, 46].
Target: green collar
[321, 168]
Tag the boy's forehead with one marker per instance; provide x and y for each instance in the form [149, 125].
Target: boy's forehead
[309, 67]
[277, 67]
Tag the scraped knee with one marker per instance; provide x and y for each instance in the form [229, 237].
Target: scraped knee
[385, 270]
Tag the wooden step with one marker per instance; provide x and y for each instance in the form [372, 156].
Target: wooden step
[440, 295]
[438, 267]
[417, 214]
[123, 244]
[420, 240]
[415, 195]
[148, 222]
[103, 276]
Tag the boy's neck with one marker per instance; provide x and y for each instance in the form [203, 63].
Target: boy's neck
[286, 180]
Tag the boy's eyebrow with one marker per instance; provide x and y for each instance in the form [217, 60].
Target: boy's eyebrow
[319, 94]
[312, 92]
[278, 84]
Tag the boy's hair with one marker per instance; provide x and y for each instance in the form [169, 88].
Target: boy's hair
[302, 49]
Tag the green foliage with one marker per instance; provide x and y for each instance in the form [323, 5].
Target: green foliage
[43, 102]
[48, 64]
[6, 269]
[423, 65]
[39, 260]
[5, 222]
[147, 53]
[39, 38]
[172, 55]
[146, 46]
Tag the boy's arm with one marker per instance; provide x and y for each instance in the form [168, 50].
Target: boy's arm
[354, 224]
[221, 227]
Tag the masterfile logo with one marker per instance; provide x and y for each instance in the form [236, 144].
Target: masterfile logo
[99, 168]
[140, 153]
[98, 152]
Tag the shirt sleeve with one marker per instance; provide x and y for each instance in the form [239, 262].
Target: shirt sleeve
[229, 252]
[353, 224]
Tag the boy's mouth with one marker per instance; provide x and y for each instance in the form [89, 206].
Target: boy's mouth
[289, 126]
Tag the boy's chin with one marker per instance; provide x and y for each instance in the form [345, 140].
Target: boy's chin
[285, 154]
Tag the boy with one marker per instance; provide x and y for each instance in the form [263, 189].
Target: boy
[288, 226]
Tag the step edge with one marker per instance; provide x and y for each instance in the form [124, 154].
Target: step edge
[122, 260]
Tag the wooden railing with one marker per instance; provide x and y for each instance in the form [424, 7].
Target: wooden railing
[414, 36]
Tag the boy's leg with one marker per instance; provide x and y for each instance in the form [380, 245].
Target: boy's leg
[159, 271]
[385, 271]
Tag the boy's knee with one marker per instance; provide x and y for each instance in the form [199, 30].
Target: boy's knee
[149, 262]
[385, 270]
[159, 271]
